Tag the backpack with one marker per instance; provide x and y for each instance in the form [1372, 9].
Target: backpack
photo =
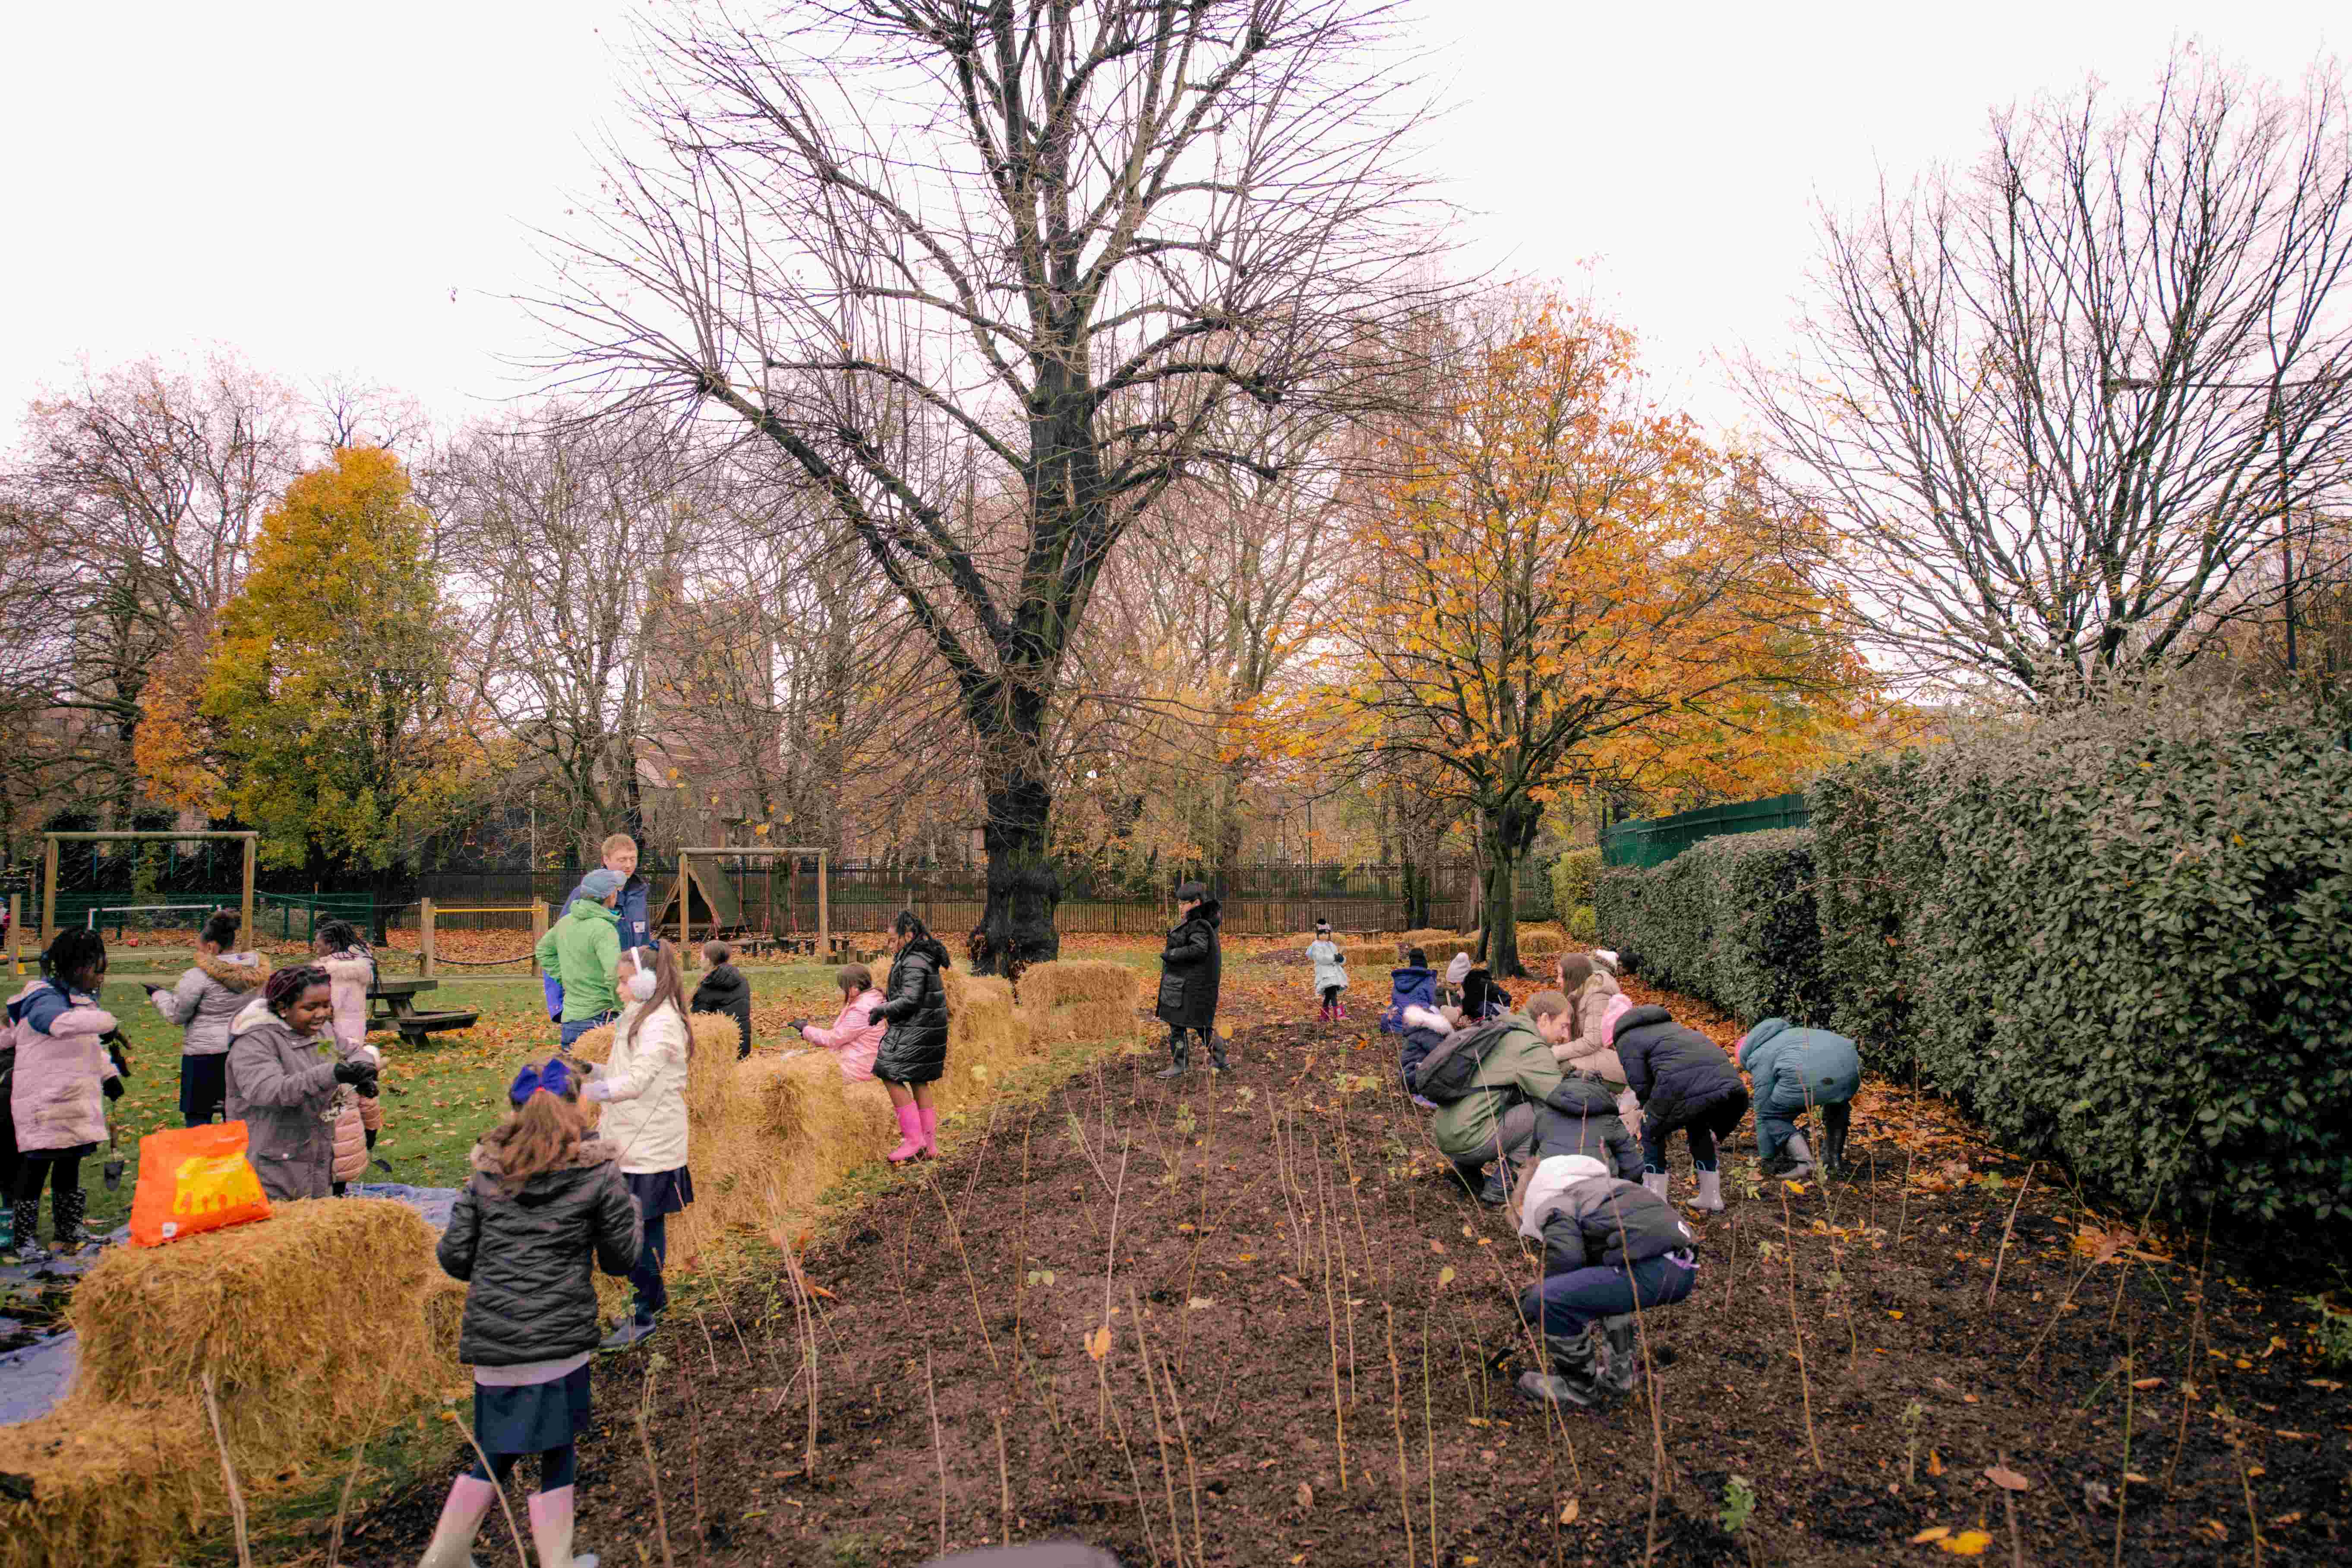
[1450, 1072]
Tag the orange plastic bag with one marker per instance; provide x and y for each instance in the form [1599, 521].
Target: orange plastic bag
[192, 1180]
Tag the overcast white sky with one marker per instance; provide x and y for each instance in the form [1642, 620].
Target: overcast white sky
[340, 189]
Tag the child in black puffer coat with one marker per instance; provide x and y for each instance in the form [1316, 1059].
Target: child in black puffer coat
[1683, 1080]
[544, 1207]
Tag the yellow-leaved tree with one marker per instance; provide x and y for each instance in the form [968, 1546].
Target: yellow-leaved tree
[1554, 583]
[321, 709]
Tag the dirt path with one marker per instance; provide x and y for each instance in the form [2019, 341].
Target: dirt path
[1300, 1307]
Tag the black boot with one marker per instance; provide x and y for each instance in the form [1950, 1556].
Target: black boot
[1833, 1149]
[67, 1209]
[1497, 1189]
[28, 1229]
[1576, 1371]
[1217, 1062]
[1179, 1055]
[1624, 1372]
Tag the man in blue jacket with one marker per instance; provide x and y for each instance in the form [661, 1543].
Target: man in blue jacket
[1793, 1071]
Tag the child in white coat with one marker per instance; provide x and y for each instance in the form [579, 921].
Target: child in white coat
[1330, 973]
[641, 1087]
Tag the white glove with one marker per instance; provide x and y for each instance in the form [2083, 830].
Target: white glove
[597, 1089]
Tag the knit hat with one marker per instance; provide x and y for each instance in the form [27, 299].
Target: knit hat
[1605, 957]
[599, 885]
[1459, 970]
[1190, 892]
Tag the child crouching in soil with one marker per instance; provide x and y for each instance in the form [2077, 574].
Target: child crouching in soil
[1612, 1248]
[856, 1033]
[545, 1202]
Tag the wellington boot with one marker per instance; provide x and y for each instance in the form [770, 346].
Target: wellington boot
[1710, 1192]
[1575, 1377]
[1800, 1153]
[928, 1115]
[28, 1238]
[551, 1530]
[67, 1209]
[1833, 1150]
[1655, 1180]
[1217, 1062]
[1622, 1371]
[1179, 1057]
[910, 1134]
[469, 1500]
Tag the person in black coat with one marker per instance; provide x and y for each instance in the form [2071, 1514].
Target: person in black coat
[544, 1208]
[1683, 1080]
[725, 989]
[1191, 969]
[913, 1053]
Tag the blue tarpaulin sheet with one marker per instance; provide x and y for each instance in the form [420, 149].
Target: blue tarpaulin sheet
[35, 1377]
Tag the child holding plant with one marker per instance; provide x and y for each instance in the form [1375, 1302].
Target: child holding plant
[546, 1205]
[856, 1032]
[641, 1087]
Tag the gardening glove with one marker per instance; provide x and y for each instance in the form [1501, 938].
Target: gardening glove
[798, 1025]
[113, 1086]
[354, 1073]
[597, 1091]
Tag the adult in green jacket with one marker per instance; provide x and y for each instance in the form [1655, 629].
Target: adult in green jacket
[1793, 1071]
[582, 950]
[1496, 1121]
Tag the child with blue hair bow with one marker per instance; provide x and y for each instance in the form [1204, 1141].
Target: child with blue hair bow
[544, 1207]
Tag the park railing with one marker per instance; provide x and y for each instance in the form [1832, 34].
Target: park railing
[1659, 840]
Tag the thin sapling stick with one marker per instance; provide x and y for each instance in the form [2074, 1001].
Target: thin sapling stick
[1797, 1329]
[1396, 1419]
[2002, 1258]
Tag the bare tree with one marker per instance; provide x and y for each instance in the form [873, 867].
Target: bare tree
[2052, 407]
[929, 251]
[135, 496]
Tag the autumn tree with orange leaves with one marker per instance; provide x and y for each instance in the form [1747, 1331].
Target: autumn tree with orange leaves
[1555, 583]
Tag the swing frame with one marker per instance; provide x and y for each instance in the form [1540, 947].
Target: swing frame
[50, 841]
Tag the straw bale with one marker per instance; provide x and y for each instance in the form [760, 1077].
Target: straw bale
[1080, 1000]
[112, 1484]
[310, 1322]
[1432, 941]
[316, 1325]
[1540, 942]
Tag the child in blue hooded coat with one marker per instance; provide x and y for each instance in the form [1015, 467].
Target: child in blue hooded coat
[1412, 985]
[1793, 1071]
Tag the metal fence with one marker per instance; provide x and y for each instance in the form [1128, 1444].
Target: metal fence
[778, 894]
[1659, 840]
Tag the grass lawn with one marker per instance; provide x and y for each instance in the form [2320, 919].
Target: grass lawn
[437, 1098]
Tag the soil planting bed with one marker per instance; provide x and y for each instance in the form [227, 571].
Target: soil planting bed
[1254, 1320]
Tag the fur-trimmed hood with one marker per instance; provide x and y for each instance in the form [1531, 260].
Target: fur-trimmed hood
[236, 971]
[1420, 1017]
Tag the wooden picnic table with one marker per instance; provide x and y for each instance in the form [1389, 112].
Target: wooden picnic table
[395, 999]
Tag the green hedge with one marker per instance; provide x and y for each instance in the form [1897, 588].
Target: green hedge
[1573, 877]
[1729, 920]
[2118, 938]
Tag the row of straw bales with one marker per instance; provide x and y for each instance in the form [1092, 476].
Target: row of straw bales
[1080, 1000]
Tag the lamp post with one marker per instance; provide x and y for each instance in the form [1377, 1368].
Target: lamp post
[2115, 383]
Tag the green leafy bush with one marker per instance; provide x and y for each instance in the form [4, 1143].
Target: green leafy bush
[2116, 937]
[1729, 920]
[1573, 877]
[1581, 926]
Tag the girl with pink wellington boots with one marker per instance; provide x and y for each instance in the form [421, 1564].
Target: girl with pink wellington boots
[914, 1051]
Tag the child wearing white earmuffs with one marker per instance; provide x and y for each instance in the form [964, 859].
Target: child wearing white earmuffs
[641, 1087]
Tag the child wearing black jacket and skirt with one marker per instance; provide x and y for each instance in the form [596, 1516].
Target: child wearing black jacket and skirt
[544, 1207]
[1612, 1248]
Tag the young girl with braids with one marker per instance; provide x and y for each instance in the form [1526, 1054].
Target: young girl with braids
[284, 1067]
[545, 1207]
[65, 1071]
[641, 1087]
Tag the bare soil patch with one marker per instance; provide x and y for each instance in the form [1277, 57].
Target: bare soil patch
[1252, 1320]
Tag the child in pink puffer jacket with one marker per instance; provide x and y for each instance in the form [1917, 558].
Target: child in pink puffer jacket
[350, 964]
[856, 1033]
[63, 1075]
